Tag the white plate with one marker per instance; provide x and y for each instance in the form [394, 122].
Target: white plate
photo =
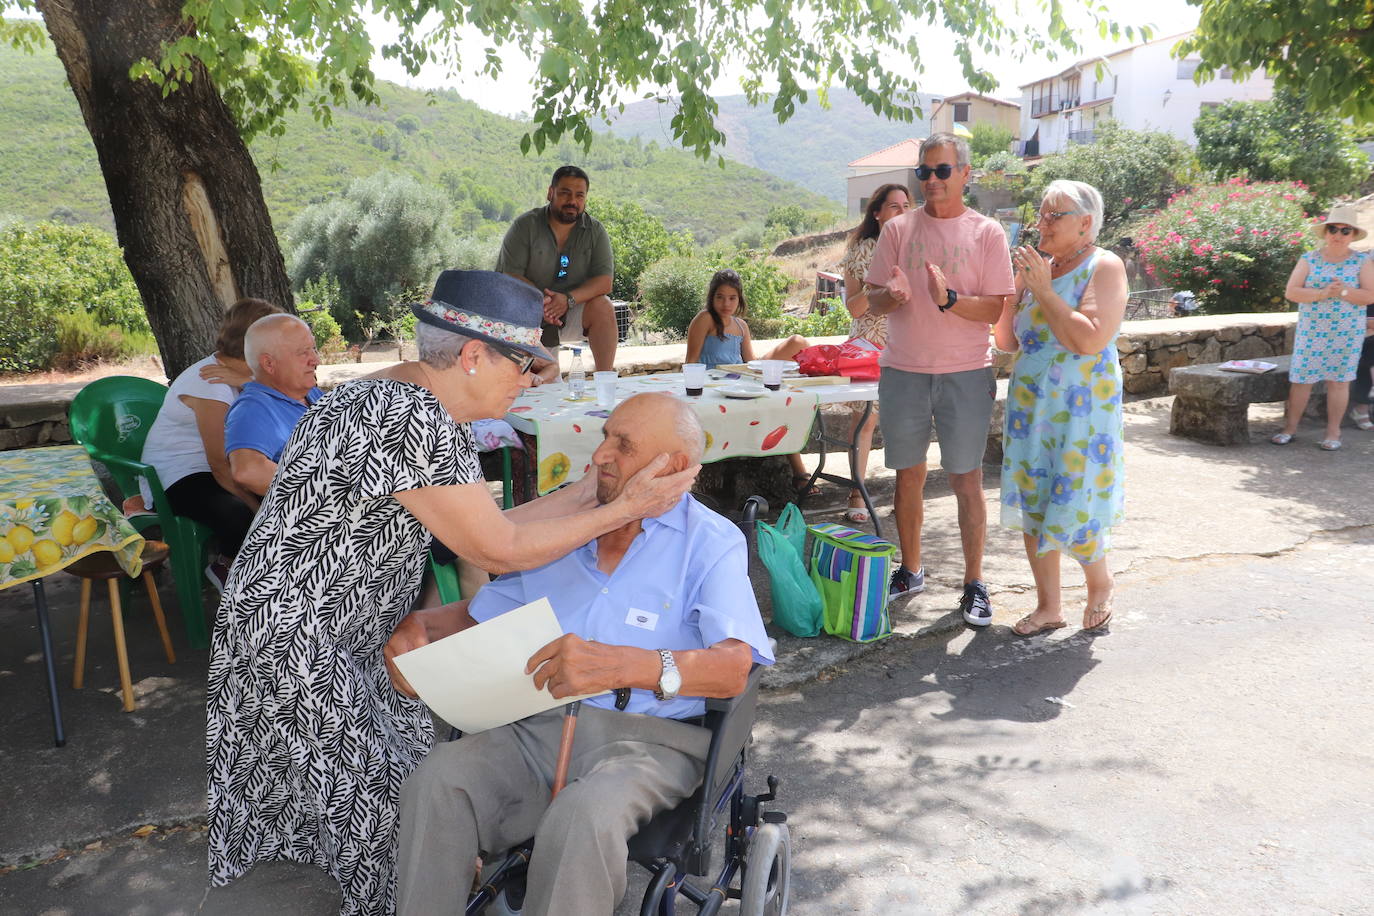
[742, 392]
[788, 366]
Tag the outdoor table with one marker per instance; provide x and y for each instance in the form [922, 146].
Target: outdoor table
[53, 512]
[563, 433]
[865, 393]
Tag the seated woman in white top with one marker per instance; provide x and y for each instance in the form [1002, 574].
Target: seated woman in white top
[186, 443]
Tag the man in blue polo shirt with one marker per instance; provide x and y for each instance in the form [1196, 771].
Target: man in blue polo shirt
[662, 606]
[280, 351]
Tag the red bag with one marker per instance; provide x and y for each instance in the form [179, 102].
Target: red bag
[856, 359]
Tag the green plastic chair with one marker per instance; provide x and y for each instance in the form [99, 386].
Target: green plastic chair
[111, 418]
[446, 574]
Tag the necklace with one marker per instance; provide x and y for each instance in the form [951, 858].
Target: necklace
[1062, 265]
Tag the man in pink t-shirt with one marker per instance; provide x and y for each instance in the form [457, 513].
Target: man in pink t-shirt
[940, 274]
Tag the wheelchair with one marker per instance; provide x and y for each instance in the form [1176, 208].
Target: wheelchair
[682, 841]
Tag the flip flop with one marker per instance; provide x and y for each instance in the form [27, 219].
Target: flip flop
[1330, 445]
[1281, 438]
[1101, 625]
[1019, 628]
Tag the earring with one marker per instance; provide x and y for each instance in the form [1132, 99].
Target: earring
[472, 372]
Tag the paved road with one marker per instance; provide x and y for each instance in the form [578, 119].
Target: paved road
[1210, 755]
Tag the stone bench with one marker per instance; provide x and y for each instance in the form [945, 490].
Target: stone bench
[1212, 405]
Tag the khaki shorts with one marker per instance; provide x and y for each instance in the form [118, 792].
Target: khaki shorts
[958, 404]
[571, 331]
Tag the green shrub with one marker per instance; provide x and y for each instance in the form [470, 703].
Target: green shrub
[988, 140]
[835, 320]
[1135, 171]
[1281, 140]
[47, 270]
[82, 340]
[637, 240]
[1233, 244]
[673, 291]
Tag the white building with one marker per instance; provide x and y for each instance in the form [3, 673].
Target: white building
[1141, 87]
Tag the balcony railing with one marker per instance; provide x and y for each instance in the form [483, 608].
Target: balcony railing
[1083, 136]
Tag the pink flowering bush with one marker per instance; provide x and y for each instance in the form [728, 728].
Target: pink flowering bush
[1233, 244]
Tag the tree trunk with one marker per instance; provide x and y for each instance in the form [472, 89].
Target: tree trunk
[186, 196]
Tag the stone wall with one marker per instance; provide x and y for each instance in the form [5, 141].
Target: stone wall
[1151, 349]
[32, 415]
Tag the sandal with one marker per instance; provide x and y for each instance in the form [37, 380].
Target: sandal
[856, 514]
[1361, 420]
[1281, 438]
[1095, 610]
[1330, 445]
[799, 482]
[1024, 628]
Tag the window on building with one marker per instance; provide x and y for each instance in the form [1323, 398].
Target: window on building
[1114, 79]
[1186, 68]
[1225, 73]
[961, 112]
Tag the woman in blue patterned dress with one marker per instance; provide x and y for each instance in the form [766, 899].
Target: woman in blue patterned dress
[1061, 445]
[1332, 285]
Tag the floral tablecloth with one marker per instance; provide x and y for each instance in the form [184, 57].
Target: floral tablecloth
[53, 512]
[568, 431]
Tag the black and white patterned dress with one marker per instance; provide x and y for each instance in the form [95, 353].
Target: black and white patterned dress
[307, 741]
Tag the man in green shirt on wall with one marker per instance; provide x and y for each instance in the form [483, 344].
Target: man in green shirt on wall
[565, 252]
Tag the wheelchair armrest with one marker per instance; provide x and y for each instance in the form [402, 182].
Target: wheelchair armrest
[731, 720]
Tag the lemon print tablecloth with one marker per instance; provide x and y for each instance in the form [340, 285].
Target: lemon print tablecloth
[53, 512]
[568, 431]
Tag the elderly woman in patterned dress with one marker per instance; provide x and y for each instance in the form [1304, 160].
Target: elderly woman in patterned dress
[1332, 286]
[307, 742]
[1061, 445]
[887, 201]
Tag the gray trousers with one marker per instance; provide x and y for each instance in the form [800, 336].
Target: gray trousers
[487, 792]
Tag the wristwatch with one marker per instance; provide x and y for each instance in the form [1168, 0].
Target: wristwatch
[670, 681]
[572, 303]
[949, 302]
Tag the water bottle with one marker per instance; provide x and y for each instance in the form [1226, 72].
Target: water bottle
[577, 376]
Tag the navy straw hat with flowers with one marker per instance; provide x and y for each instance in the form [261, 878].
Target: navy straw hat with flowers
[489, 306]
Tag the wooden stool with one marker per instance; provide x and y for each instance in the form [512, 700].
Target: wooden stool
[103, 565]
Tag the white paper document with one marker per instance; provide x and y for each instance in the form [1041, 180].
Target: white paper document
[476, 680]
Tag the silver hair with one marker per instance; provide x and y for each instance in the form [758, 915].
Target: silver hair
[262, 337]
[935, 141]
[1084, 198]
[439, 348]
[688, 428]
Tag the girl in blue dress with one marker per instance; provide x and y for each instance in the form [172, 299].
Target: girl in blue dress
[1062, 442]
[718, 336]
[1332, 285]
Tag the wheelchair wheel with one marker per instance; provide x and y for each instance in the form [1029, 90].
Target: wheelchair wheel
[767, 872]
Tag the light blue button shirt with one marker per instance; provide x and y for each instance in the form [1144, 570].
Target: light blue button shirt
[682, 584]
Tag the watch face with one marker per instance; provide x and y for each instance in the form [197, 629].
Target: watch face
[671, 682]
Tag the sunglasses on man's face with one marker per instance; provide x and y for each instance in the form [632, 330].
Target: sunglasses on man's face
[523, 360]
[562, 266]
[1343, 230]
[941, 171]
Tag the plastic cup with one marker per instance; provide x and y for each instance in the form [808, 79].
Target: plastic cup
[772, 373]
[694, 378]
[605, 388]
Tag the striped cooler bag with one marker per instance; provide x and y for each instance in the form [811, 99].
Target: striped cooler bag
[851, 570]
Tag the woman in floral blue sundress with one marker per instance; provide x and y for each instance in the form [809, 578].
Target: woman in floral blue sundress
[1061, 444]
[1332, 286]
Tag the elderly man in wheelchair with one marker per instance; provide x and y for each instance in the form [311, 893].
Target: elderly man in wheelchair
[658, 616]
